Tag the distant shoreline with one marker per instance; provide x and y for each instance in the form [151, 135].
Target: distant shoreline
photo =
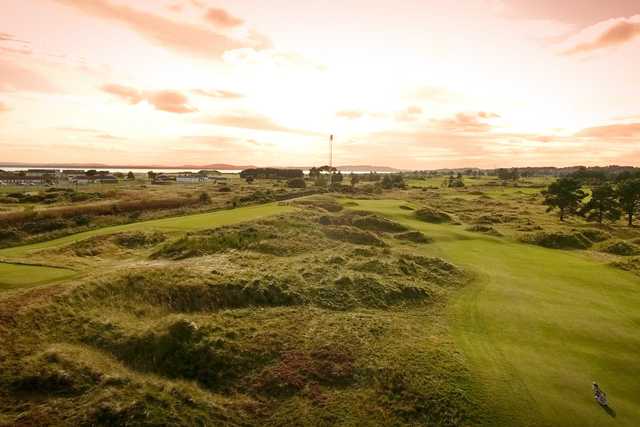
[220, 167]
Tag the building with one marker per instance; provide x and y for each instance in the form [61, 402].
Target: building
[51, 173]
[106, 179]
[190, 179]
[9, 178]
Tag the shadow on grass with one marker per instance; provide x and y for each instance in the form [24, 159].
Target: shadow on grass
[609, 410]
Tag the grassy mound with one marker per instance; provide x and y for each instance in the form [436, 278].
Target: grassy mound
[558, 240]
[377, 223]
[621, 247]
[283, 236]
[353, 235]
[429, 214]
[413, 236]
[327, 204]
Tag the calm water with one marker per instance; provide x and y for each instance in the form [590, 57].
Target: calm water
[142, 171]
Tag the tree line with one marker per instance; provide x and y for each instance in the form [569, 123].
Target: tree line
[608, 198]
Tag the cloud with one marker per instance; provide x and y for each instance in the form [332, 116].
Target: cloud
[6, 37]
[350, 114]
[251, 121]
[222, 94]
[170, 101]
[629, 130]
[4, 107]
[410, 114]
[129, 94]
[173, 35]
[603, 35]
[466, 122]
[14, 77]
[222, 18]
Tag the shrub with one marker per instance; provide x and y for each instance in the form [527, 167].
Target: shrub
[296, 183]
[204, 198]
[480, 228]
[413, 236]
[558, 240]
[621, 248]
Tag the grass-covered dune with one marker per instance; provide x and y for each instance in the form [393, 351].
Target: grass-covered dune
[278, 321]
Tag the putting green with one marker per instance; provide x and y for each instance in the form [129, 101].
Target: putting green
[538, 325]
[16, 275]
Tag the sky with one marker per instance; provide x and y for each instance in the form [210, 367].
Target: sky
[413, 84]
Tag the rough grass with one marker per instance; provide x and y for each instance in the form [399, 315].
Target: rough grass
[429, 214]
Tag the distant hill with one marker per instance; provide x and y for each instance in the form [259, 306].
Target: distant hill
[217, 166]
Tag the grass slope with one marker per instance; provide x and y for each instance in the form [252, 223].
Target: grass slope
[538, 325]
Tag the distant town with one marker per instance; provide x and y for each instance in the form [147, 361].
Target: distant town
[39, 177]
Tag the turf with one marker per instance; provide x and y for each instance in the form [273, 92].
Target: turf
[16, 275]
[538, 325]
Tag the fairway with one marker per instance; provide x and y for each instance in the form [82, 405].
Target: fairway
[538, 325]
[15, 275]
[173, 224]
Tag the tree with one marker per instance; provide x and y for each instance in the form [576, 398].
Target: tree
[355, 179]
[566, 195]
[629, 197]
[151, 175]
[336, 178]
[603, 205]
[131, 176]
[314, 172]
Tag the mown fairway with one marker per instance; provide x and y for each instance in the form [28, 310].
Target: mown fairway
[17, 275]
[538, 325]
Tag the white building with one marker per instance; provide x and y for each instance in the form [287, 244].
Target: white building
[189, 179]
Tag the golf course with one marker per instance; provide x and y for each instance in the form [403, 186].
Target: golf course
[539, 325]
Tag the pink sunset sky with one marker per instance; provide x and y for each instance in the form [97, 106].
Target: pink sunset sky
[411, 84]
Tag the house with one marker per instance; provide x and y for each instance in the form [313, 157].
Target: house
[190, 179]
[81, 180]
[162, 179]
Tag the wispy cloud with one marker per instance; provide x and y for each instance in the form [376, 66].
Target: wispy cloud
[170, 101]
[246, 120]
[466, 122]
[223, 19]
[16, 77]
[630, 130]
[350, 114]
[4, 107]
[604, 35]
[178, 36]
[221, 94]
